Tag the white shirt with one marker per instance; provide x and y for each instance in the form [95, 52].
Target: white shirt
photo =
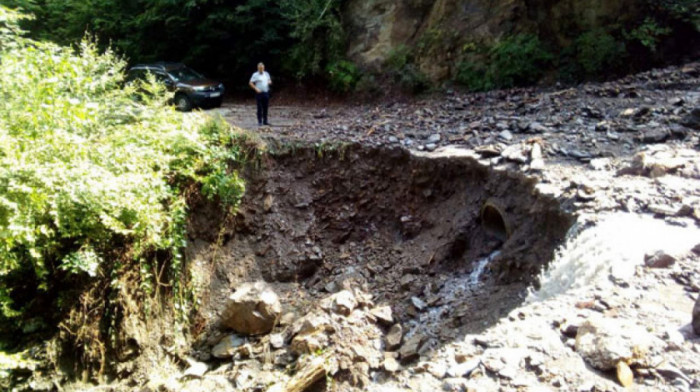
[261, 81]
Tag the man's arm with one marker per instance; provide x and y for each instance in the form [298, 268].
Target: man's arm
[252, 85]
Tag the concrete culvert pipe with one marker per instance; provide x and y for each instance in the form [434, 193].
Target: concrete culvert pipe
[494, 221]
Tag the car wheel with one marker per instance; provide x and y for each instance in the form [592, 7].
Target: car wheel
[182, 103]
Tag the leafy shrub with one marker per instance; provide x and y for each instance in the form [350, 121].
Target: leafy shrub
[648, 33]
[412, 79]
[473, 76]
[597, 51]
[518, 60]
[398, 58]
[317, 32]
[400, 65]
[85, 167]
[342, 76]
[513, 61]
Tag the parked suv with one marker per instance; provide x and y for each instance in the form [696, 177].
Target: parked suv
[191, 88]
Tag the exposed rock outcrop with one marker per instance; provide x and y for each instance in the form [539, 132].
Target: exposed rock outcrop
[442, 28]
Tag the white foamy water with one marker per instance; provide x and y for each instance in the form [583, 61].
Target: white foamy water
[479, 270]
[616, 245]
[457, 288]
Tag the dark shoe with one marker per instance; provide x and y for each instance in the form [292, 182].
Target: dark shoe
[266, 123]
[260, 124]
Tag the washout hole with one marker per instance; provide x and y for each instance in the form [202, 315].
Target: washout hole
[412, 231]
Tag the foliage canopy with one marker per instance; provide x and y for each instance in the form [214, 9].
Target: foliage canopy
[88, 165]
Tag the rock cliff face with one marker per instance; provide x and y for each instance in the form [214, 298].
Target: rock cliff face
[441, 30]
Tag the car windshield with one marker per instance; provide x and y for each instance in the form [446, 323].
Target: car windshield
[185, 74]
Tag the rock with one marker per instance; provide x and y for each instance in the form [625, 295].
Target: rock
[434, 138]
[537, 164]
[536, 151]
[624, 374]
[410, 349]
[227, 346]
[599, 163]
[628, 112]
[536, 127]
[196, 369]
[504, 361]
[406, 281]
[662, 210]
[277, 340]
[489, 151]
[671, 372]
[393, 139]
[342, 302]
[659, 259]
[312, 322]
[431, 146]
[654, 136]
[418, 303]
[454, 385]
[463, 369]
[288, 318]
[391, 365]
[516, 153]
[506, 135]
[383, 314]
[696, 249]
[603, 343]
[437, 369]
[310, 333]
[311, 342]
[696, 317]
[252, 310]
[692, 120]
[332, 287]
[267, 203]
[394, 336]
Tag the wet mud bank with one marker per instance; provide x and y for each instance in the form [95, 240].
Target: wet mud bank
[398, 224]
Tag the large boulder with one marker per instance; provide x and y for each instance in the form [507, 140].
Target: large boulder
[252, 310]
[603, 343]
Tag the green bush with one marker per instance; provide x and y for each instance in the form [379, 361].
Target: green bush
[648, 33]
[342, 76]
[85, 167]
[400, 64]
[317, 33]
[398, 58]
[518, 60]
[598, 51]
[473, 76]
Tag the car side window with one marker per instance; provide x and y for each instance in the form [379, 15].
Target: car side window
[162, 78]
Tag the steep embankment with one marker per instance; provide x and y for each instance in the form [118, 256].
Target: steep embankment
[441, 33]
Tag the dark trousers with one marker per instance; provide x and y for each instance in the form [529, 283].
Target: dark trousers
[263, 101]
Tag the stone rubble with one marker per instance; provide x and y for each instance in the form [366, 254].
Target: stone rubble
[629, 145]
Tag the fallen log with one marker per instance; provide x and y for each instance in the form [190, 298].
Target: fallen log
[306, 377]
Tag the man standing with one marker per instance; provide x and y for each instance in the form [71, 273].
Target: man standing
[260, 82]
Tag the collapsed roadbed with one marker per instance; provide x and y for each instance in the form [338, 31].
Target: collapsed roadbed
[546, 242]
[394, 225]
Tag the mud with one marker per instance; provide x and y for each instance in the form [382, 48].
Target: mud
[313, 218]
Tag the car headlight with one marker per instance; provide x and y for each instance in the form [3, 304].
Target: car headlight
[199, 88]
[221, 85]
